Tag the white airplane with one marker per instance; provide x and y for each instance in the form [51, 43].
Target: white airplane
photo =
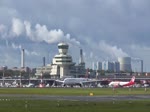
[121, 83]
[75, 81]
[30, 85]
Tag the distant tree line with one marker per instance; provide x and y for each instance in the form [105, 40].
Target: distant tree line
[15, 73]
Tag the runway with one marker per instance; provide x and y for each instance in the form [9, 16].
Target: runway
[77, 98]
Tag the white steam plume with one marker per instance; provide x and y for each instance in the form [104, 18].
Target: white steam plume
[17, 27]
[41, 33]
[37, 33]
[27, 52]
[113, 51]
[14, 46]
[31, 53]
[3, 31]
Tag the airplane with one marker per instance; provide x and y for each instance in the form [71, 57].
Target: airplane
[76, 81]
[121, 83]
[30, 85]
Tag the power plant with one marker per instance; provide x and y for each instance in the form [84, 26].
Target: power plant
[63, 66]
[125, 64]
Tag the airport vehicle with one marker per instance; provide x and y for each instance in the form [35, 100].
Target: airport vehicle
[121, 83]
[76, 81]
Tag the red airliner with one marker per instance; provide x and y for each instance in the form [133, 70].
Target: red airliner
[121, 83]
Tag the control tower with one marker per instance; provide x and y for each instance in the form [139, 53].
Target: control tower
[63, 60]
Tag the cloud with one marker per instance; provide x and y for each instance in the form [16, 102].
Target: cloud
[2, 28]
[39, 33]
[101, 50]
[28, 28]
[113, 51]
[3, 31]
[17, 27]
[139, 47]
[52, 36]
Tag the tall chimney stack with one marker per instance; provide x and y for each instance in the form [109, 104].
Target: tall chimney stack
[22, 58]
[43, 61]
[141, 66]
[81, 56]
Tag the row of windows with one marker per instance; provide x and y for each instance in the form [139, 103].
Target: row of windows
[63, 47]
[63, 57]
[43, 68]
[63, 61]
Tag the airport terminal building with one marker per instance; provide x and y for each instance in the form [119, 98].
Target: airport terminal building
[62, 65]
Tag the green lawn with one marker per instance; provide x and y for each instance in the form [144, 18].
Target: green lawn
[16, 105]
[75, 91]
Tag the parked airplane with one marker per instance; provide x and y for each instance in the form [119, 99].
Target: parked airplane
[30, 85]
[76, 81]
[121, 83]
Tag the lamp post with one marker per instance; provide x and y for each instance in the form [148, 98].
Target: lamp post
[3, 77]
[20, 79]
[29, 77]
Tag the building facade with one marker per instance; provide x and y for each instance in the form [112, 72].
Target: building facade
[62, 65]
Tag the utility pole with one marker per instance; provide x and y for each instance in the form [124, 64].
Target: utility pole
[29, 77]
[3, 77]
[20, 79]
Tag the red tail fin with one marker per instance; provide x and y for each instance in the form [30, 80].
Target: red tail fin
[133, 79]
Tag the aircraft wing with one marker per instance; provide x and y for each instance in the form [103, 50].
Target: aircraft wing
[103, 82]
[58, 82]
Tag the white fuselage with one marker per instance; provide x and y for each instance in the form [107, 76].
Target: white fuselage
[73, 81]
[117, 83]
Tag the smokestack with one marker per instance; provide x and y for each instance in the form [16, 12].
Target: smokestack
[141, 66]
[43, 61]
[81, 56]
[22, 58]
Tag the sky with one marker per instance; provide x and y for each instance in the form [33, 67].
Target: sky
[104, 29]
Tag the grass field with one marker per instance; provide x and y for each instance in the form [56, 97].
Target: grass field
[12, 105]
[75, 91]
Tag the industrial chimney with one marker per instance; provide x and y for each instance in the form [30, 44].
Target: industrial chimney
[22, 58]
[81, 57]
[43, 61]
[141, 66]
